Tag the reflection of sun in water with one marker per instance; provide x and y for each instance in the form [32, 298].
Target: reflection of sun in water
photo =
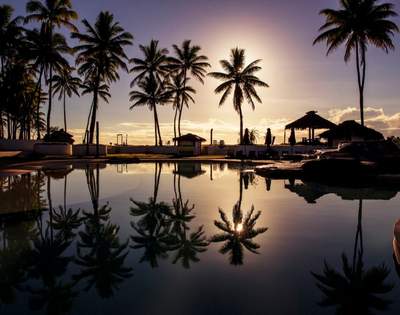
[239, 227]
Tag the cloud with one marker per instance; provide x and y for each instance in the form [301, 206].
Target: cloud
[143, 132]
[375, 118]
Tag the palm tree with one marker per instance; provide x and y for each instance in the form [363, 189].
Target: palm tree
[238, 234]
[10, 34]
[154, 63]
[65, 84]
[180, 93]
[189, 246]
[241, 79]
[101, 55]
[358, 24]
[46, 51]
[11, 45]
[188, 61]
[356, 290]
[151, 93]
[100, 254]
[152, 73]
[52, 13]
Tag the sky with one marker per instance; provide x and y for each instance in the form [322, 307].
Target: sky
[280, 32]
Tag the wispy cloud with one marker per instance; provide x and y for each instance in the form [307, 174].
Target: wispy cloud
[374, 117]
[143, 132]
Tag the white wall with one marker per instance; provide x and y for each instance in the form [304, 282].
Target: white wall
[18, 145]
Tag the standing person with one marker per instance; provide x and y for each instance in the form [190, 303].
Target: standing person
[292, 138]
[268, 139]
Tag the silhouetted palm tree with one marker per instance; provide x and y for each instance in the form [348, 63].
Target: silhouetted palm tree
[156, 240]
[358, 24]
[180, 93]
[55, 298]
[239, 79]
[239, 234]
[357, 290]
[152, 93]
[10, 42]
[52, 13]
[189, 247]
[101, 55]
[101, 255]
[188, 61]
[180, 215]
[154, 63]
[65, 84]
[66, 221]
[47, 55]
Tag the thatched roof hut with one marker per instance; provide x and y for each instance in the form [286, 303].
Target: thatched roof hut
[311, 121]
[350, 130]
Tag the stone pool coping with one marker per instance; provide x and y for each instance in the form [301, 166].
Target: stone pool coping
[23, 167]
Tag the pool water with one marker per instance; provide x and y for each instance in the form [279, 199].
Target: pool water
[190, 238]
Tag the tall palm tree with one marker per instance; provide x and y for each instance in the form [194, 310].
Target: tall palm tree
[154, 63]
[180, 93]
[358, 24]
[101, 55]
[188, 61]
[152, 68]
[240, 79]
[151, 93]
[10, 34]
[51, 13]
[11, 44]
[47, 50]
[65, 84]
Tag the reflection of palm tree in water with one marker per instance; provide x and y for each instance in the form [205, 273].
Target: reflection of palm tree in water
[238, 234]
[100, 254]
[188, 244]
[356, 291]
[152, 229]
[163, 228]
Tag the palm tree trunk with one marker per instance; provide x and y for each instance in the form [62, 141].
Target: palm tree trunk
[182, 103]
[50, 95]
[158, 125]
[65, 192]
[50, 206]
[358, 250]
[1, 125]
[37, 88]
[361, 71]
[65, 115]
[155, 128]
[241, 124]
[175, 116]
[240, 190]
[179, 120]
[8, 126]
[94, 111]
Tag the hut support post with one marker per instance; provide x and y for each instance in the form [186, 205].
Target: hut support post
[284, 136]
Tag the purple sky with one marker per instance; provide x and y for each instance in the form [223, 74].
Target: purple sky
[280, 32]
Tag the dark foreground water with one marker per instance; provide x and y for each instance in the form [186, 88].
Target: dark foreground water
[193, 239]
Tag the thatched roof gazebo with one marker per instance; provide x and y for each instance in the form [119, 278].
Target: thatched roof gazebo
[351, 130]
[311, 121]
